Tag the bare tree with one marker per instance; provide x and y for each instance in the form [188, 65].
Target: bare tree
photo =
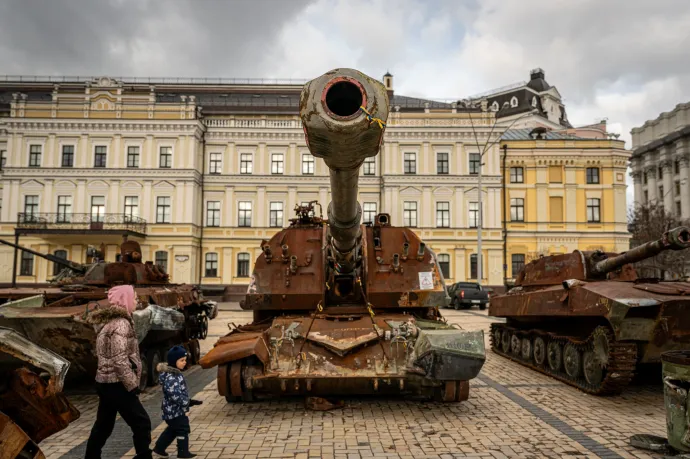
[647, 223]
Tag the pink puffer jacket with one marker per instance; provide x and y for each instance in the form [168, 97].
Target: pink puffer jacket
[116, 345]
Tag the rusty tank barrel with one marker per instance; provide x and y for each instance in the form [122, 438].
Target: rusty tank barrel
[77, 267]
[344, 115]
[675, 239]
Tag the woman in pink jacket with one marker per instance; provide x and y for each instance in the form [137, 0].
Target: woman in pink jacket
[117, 378]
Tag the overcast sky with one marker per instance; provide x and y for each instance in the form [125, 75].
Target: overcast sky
[625, 60]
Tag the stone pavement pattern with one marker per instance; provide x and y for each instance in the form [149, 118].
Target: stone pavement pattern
[512, 412]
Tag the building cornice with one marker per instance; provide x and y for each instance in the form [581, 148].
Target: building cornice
[18, 173]
[22, 125]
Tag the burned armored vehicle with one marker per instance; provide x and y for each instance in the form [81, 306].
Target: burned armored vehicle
[55, 317]
[32, 406]
[586, 319]
[340, 307]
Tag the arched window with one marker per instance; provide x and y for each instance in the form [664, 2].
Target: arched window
[444, 264]
[534, 101]
[162, 259]
[243, 264]
[56, 267]
[473, 266]
[513, 102]
[494, 106]
[211, 264]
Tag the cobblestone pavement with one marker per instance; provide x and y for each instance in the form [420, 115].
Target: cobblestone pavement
[512, 412]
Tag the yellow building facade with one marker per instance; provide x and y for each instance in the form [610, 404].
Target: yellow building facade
[562, 193]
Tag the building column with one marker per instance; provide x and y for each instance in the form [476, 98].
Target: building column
[82, 151]
[394, 167]
[227, 213]
[42, 265]
[146, 202]
[294, 163]
[427, 209]
[80, 205]
[113, 206]
[50, 160]
[652, 190]
[226, 272]
[47, 203]
[147, 160]
[292, 202]
[261, 160]
[323, 197]
[396, 208]
[667, 198]
[178, 216]
[116, 154]
[638, 198]
[685, 186]
[261, 207]
[229, 160]
[425, 162]
[459, 268]
[458, 208]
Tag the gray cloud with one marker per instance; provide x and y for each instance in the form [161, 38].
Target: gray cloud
[140, 37]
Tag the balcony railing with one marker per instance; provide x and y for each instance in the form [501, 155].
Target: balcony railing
[68, 222]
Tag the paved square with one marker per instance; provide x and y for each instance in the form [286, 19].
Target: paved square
[512, 412]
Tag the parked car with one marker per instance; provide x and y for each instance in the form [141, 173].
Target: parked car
[465, 294]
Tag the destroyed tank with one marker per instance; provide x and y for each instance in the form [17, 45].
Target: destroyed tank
[55, 316]
[32, 406]
[342, 308]
[586, 319]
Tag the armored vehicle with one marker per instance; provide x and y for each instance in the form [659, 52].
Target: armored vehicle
[340, 307]
[55, 317]
[586, 319]
[32, 406]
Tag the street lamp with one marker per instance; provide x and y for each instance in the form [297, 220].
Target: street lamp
[489, 143]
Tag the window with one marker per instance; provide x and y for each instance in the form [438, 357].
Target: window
[661, 192]
[35, 156]
[243, 264]
[27, 264]
[131, 207]
[518, 263]
[494, 106]
[277, 163]
[163, 209]
[369, 165]
[64, 209]
[676, 167]
[211, 264]
[556, 209]
[555, 174]
[99, 158]
[473, 266]
[474, 163]
[443, 215]
[644, 178]
[30, 208]
[307, 164]
[97, 208]
[133, 157]
[517, 210]
[513, 102]
[245, 214]
[592, 175]
[165, 159]
[442, 165]
[410, 214]
[275, 219]
[444, 264]
[369, 212]
[593, 209]
[162, 259]
[246, 163]
[659, 173]
[56, 267]
[517, 175]
[646, 196]
[68, 156]
[213, 213]
[474, 215]
[410, 163]
[216, 165]
[677, 188]
[534, 101]
[3, 158]
[678, 209]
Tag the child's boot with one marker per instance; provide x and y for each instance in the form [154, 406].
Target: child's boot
[183, 448]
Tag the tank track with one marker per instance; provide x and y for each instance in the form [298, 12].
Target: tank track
[619, 371]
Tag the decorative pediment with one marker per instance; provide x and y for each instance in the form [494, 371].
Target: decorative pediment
[131, 185]
[410, 191]
[163, 185]
[65, 185]
[104, 82]
[443, 192]
[97, 186]
[31, 185]
[102, 103]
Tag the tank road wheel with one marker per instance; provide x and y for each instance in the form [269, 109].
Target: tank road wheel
[526, 349]
[593, 372]
[497, 338]
[572, 361]
[194, 351]
[154, 358]
[452, 391]
[515, 345]
[554, 356]
[144, 379]
[505, 341]
[539, 350]
[236, 391]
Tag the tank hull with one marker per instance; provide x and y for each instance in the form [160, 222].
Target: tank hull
[347, 354]
[592, 335]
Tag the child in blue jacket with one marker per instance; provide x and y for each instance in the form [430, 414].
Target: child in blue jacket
[176, 403]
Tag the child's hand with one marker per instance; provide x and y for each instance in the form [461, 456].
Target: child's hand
[193, 402]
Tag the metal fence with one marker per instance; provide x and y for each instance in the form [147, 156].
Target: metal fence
[81, 222]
